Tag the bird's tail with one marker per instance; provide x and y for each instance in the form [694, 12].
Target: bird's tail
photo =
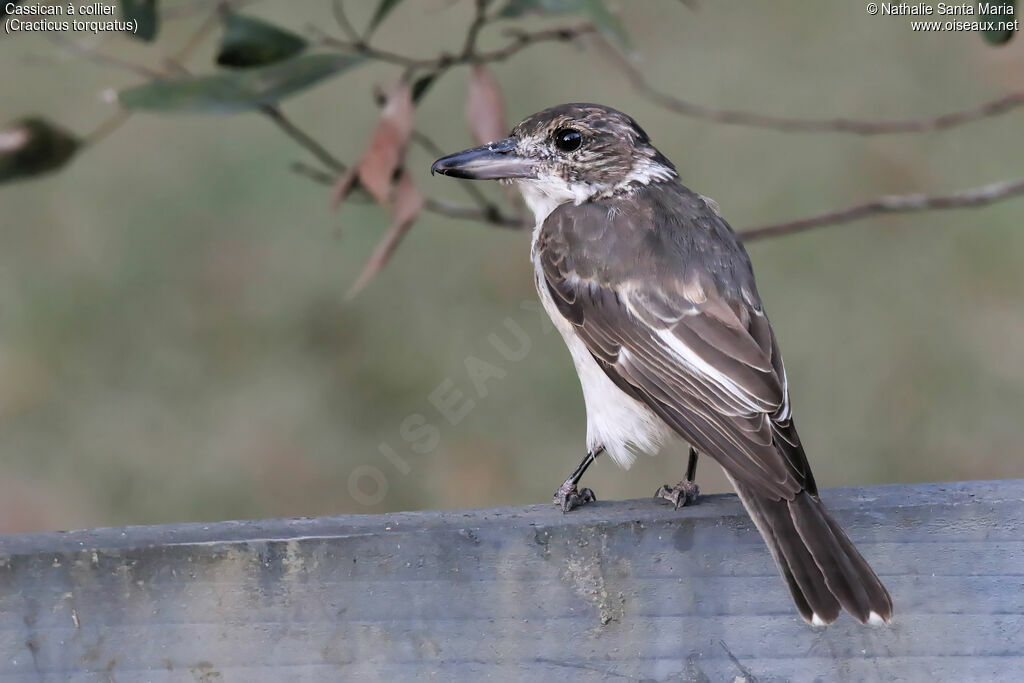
[823, 570]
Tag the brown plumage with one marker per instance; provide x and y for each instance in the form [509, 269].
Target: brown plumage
[704, 296]
[644, 279]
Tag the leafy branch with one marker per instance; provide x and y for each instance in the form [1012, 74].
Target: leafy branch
[519, 40]
[262, 64]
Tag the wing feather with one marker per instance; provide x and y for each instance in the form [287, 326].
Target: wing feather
[674, 319]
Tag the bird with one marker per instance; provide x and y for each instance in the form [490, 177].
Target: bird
[655, 298]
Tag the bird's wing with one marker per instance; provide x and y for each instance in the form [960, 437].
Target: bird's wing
[661, 291]
[667, 306]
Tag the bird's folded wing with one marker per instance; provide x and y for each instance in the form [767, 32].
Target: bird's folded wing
[705, 362]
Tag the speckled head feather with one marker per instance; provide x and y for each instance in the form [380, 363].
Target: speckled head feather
[613, 149]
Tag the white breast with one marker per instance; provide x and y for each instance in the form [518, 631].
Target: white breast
[615, 420]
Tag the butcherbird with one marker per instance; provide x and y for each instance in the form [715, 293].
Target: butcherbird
[655, 297]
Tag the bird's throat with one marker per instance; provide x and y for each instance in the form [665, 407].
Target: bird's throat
[544, 195]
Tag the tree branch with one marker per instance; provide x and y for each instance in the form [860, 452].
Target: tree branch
[106, 127]
[98, 57]
[361, 47]
[978, 196]
[479, 19]
[472, 213]
[490, 214]
[338, 7]
[523, 39]
[113, 122]
[520, 41]
[200, 34]
[317, 175]
[989, 109]
[488, 207]
[301, 137]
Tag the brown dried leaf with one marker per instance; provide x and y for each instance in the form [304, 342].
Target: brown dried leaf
[485, 111]
[407, 206]
[387, 146]
[376, 168]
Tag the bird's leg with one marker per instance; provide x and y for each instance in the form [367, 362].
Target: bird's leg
[686, 491]
[568, 497]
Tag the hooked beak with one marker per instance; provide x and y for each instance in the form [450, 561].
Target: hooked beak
[493, 161]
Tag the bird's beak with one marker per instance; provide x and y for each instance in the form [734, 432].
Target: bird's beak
[492, 161]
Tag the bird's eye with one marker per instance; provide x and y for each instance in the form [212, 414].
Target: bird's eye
[568, 139]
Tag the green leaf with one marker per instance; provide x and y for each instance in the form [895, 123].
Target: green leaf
[249, 42]
[236, 91]
[517, 8]
[1002, 18]
[33, 146]
[144, 16]
[384, 8]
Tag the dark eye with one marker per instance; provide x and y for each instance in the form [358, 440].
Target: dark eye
[568, 139]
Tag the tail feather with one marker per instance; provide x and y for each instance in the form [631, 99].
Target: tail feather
[878, 599]
[809, 517]
[822, 568]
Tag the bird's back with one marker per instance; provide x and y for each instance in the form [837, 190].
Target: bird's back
[659, 230]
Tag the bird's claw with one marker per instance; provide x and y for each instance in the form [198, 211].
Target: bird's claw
[683, 493]
[568, 497]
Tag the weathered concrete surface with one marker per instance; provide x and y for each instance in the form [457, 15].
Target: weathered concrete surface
[629, 590]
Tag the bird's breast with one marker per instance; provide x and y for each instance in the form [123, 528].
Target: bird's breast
[616, 421]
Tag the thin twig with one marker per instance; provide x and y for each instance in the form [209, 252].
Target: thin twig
[362, 48]
[298, 135]
[978, 196]
[106, 127]
[995, 107]
[479, 20]
[317, 175]
[197, 37]
[523, 39]
[491, 216]
[113, 122]
[477, 195]
[98, 57]
[472, 213]
[427, 143]
[520, 40]
[338, 7]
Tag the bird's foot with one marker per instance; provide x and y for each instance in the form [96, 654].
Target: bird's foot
[568, 497]
[683, 493]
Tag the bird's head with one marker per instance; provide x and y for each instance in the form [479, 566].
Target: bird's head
[572, 152]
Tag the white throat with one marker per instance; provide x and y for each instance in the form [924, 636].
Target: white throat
[544, 195]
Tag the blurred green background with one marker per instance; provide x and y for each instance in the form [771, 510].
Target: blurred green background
[175, 345]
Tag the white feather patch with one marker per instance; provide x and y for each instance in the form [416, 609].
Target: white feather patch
[615, 420]
[689, 359]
